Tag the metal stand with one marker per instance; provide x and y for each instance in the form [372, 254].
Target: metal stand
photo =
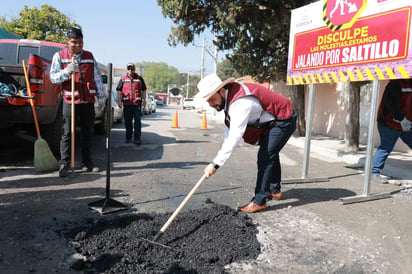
[308, 136]
[108, 205]
[368, 165]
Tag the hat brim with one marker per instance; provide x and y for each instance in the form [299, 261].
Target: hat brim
[204, 98]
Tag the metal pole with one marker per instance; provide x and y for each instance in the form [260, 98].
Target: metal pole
[308, 135]
[187, 86]
[371, 132]
[215, 57]
[168, 95]
[202, 64]
[109, 130]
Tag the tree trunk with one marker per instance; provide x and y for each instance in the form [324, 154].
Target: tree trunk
[352, 118]
[297, 95]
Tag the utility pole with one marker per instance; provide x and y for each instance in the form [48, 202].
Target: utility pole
[202, 63]
[215, 57]
[187, 86]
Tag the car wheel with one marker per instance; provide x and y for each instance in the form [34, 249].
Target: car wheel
[120, 119]
[101, 127]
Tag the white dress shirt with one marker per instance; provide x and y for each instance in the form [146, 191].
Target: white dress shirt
[243, 111]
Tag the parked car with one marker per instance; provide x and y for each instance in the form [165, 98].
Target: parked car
[188, 103]
[14, 103]
[159, 101]
[153, 103]
[147, 106]
[117, 112]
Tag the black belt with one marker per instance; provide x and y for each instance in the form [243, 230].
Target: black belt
[269, 124]
[288, 119]
[272, 123]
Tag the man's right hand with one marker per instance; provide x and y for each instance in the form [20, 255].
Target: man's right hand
[209, 170]
[406, 125]
[72, 68]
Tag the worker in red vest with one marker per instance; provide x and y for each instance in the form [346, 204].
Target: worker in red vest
[69, 62]
[132, 95]
[259, 116]
[394, 122]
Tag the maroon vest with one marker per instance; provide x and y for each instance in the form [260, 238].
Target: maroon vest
[406, 106]
[84, 87]
[279, 106]
[132, 90]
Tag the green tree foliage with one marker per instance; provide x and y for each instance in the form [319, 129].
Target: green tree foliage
[256, 33]
[46, 23]
[158, 75]
[226, 70]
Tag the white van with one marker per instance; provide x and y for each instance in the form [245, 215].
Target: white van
[147, 105]
[188, 103]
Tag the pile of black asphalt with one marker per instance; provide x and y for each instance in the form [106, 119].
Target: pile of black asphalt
[198, 241]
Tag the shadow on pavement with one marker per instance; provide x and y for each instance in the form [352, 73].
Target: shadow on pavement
[303, 196]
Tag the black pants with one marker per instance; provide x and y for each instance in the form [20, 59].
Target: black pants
[132, 121]
[85, 115]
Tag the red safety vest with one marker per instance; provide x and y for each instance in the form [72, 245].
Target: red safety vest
[85, 87]
[132, 90]
[279, 106]
[405, 106]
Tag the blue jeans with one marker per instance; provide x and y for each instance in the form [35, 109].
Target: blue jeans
[130, 113]
[389, 137]
[269, 170]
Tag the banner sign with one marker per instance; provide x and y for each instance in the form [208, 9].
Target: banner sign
[350, 40]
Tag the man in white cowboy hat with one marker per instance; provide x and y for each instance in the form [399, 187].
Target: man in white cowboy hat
[259, 115]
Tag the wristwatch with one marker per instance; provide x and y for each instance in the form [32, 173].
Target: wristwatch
[216, 166]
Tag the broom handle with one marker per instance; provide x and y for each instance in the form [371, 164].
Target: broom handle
[73, 127]
[31, 100]
[182, 204]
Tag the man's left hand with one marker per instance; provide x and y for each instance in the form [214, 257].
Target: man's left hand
[406, 125]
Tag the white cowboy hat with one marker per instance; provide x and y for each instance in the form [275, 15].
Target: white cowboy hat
[209, 85]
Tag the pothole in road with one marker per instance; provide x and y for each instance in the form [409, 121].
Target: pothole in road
[200, 241]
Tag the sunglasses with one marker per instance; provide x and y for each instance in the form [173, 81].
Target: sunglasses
[130, 68]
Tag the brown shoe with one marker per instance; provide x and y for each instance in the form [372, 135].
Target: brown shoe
[276, 196]
[251, 207]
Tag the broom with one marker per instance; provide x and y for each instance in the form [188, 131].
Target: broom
[44, 159]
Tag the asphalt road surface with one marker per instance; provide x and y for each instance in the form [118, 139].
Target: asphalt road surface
[309, 231]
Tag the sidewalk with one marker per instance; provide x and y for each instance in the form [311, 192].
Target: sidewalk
[398, 166]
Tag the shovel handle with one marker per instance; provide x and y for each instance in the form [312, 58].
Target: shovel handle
[73, 124]
[182, 204]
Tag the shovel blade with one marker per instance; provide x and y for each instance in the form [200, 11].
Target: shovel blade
[156, 243]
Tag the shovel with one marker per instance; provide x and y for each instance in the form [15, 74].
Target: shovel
[175, 213]
[73, 124]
